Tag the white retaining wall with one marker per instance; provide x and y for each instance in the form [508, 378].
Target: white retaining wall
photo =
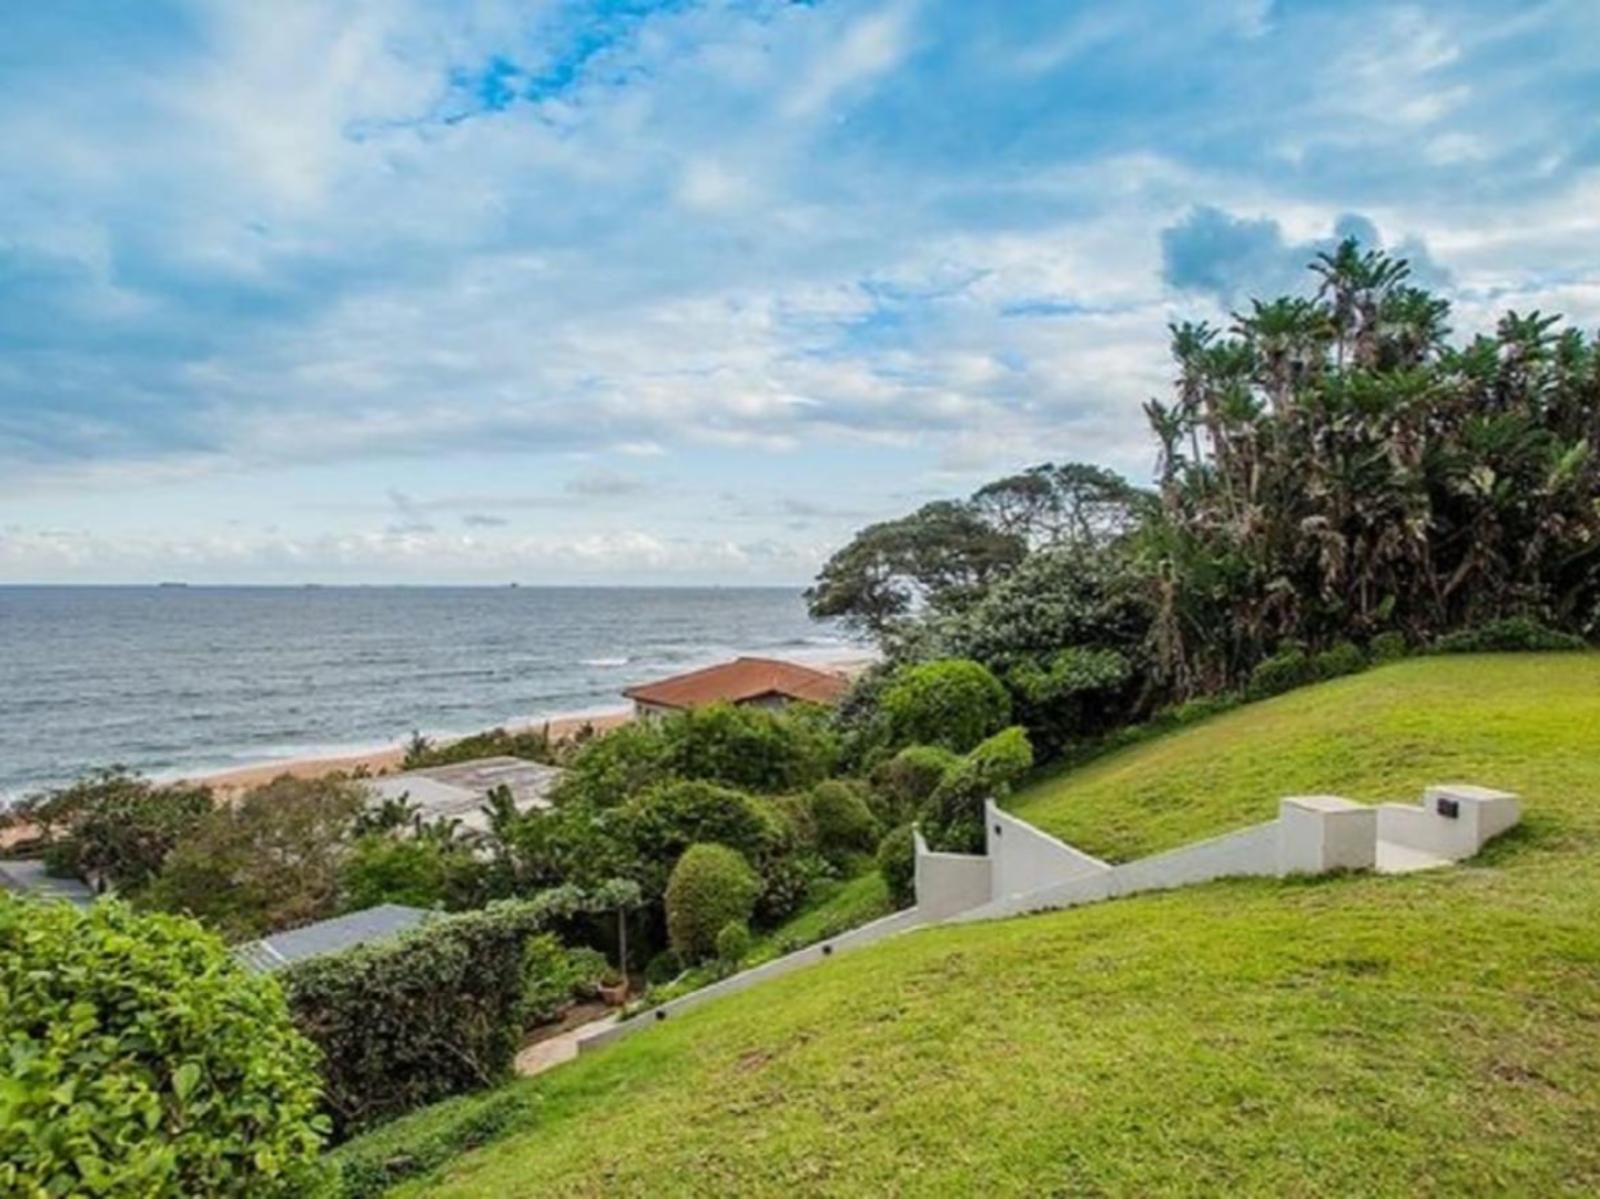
[887, 926]
[1479, 814]
[948, 883]
[1024, 859]
[1027, 870]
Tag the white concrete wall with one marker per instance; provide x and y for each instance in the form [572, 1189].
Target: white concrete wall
[1024, 859]
[948, 883]
[1319, 833]
[1248, 851]
[1481, 814]
[867, 934]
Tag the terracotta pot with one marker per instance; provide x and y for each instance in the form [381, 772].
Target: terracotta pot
[615, 994]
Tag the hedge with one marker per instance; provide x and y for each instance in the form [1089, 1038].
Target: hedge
[431, 1013]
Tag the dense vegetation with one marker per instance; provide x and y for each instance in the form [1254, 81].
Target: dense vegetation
[1420, 1035]
[142, 1060]
[1333, 476]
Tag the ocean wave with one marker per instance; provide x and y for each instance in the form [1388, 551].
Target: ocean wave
[604, 661]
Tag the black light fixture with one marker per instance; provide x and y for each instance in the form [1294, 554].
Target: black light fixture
[1450, 809]
[661, 1014]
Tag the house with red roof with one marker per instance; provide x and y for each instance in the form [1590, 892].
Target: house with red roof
[758, 682]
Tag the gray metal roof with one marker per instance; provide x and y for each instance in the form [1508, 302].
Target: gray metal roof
[329, 936]
[29, 876]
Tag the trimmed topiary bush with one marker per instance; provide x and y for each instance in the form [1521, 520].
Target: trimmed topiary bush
[843, 820]
[1341, 659]
[1284, 671]
[1514, 634]
[733, 943]
[897, 862]
[666, 820]
[903, 784]
[710, 885]
[953, 702]
[1388, 647]
[142, 1059]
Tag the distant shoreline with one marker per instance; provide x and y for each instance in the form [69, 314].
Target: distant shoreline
[389, 758]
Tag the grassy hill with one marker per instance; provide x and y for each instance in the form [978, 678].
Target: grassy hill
[1430, 1034]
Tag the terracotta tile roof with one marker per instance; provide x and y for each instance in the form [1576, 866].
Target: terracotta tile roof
[740, 681]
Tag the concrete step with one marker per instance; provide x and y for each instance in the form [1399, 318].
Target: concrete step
[1394, 858]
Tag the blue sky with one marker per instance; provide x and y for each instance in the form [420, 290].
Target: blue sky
[685, 292]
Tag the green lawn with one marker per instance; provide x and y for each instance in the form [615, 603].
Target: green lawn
[1435, 1034]
[853, 902]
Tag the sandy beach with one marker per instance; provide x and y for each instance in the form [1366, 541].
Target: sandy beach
[388, 759]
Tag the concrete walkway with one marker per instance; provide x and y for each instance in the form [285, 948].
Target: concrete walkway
[562, 1047]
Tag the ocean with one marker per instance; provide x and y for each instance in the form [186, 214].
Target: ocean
[169, 680]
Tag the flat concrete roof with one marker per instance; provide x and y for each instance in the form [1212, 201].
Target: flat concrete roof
[329, 936]
[460, 789]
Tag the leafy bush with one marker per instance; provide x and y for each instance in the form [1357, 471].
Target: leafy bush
[267, 862]
[751, 748]
[615, 766]
[373, 1164]
[897, 862]
[1388, 647]
[114, 826]
[1515, 634]
[548, 980]
[142, 1060]
[663, 968]
[903, 784]
[1203, 707]
[586, 967]
[663, 822]
[1284, 671]
[1071, 693]
[532, 744]
[795, 810]
[412, 1019]
[953, 820]
[733, 943]
[710, 885]
[953, 702]
[420, 872]
[1341, 659]
[843, 820]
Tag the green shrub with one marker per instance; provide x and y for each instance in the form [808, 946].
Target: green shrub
[1514, 634]
[143, 1060]
[663, 822]
[663, 968]
[953, 818]
[548, 980]
[586, 967]
[710, 885]
[614, 767]
[413, 1019]
[1284, 671]
[903, 784]
[753, 749]
[379, 868]
[897, 862]
[372, 1165]
[953, 702]
[1388, 647]
[1340, 659]
[1202, 707]
[532, 744]
[733, 943]
[843, 820]
[114, 826]
[795, 810]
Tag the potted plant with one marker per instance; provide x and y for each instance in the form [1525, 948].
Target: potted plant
[613, 987]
